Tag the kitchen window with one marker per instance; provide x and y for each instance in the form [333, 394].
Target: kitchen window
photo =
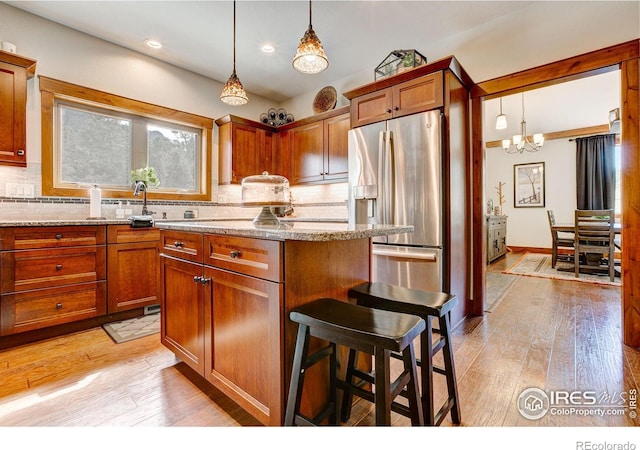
[91, 137]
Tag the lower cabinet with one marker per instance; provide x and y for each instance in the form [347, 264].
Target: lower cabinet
[242, 322]
[496, 237]
[183, 310]
[133, 268]
[225, 310]
[51, 276]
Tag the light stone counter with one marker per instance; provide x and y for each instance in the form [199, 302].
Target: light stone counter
[296, 231]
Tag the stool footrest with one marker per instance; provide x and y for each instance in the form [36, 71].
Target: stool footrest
[318, 356]
[302, 420]
[443, 411]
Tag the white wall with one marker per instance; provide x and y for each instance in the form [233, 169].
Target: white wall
[75, 57]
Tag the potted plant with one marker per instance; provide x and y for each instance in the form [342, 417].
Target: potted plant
[147, 175]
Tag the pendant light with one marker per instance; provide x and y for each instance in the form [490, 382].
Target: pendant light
[501, 120]
[310, 56]
[521, 141]
[233, 93]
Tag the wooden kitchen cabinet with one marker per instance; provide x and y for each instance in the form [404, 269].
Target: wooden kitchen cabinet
[133, 268]
[14, 72]
[319, 147]
[245, 148]
[181, 295]
[51, 276]
[232, 307]
[401, 99]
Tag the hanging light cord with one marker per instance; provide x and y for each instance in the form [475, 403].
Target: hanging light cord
[234, 37]
[310, 26]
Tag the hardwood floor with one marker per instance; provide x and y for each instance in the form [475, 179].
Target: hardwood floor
[549, 334]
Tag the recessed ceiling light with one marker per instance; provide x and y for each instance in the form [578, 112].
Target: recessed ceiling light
[153, 43]
[268, 48]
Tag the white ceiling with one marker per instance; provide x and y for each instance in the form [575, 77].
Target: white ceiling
[489, 38]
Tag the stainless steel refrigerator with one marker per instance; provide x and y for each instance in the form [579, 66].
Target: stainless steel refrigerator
[395, 177]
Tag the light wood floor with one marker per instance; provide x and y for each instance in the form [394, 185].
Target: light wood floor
[550, 334]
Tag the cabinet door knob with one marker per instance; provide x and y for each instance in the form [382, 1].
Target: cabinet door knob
[205, 280]
[58, 236]
[197, 279]
[20, 152]
[58, 266]
[388, 111]
[235, 253]
[178, 244]
[58, 305]
[395, 108]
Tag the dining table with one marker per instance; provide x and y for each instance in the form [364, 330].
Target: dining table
[593, 262]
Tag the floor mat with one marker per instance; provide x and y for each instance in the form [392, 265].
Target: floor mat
[127, 330]
[539, 265]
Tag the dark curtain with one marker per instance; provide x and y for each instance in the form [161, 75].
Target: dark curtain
[596, 172]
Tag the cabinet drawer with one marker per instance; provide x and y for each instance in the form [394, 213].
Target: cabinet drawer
[32, 310]
[125, 234]
[255, 257]
[37, 269]
[51, 237]
[182, 244]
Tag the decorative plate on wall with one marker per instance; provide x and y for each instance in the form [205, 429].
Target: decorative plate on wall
[325, 99]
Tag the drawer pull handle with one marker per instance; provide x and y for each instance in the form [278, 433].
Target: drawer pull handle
[58, 236]
[178, 244]
[58, 305]
[58, 266]
[235, 253]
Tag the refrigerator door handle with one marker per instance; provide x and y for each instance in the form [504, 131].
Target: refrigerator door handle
[387, 178]
[405, 255]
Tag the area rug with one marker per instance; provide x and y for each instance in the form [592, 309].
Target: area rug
[539, 265]
[497, 286]
[128, 330]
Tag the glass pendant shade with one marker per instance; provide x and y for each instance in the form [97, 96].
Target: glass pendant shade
[233, 92]
[310, 56]
[501, 120]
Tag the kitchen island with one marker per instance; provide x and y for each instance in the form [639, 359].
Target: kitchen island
[227, 288]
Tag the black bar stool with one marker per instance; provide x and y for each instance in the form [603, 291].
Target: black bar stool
[426, 305]
[373, 331]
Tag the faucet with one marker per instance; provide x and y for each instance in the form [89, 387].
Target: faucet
[141, 186]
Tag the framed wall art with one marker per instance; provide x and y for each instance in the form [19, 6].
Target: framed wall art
[528, 185]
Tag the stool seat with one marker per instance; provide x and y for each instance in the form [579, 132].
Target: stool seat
[359, 328]
[401, 299]
[427, 305]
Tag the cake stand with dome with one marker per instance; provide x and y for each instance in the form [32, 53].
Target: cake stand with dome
[267, 191]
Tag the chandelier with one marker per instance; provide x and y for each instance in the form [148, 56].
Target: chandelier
[310, 56]
[233, 92]
[521, 141]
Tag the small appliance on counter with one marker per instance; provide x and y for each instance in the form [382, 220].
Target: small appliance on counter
[267, 191]
[144, 221]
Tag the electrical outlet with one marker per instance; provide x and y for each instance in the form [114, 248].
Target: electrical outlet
[20, 190]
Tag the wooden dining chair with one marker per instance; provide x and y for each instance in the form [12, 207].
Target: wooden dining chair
[558, 240]
[594, 234]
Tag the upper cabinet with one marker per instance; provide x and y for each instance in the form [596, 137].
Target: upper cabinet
[245, 148]
[317, 147]
[14, 72]
[409, 97]
[311, 150]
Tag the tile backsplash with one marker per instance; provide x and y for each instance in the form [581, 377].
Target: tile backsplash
[318, 201]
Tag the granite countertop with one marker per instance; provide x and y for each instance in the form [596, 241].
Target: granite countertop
[296, 231]
[64, 222]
